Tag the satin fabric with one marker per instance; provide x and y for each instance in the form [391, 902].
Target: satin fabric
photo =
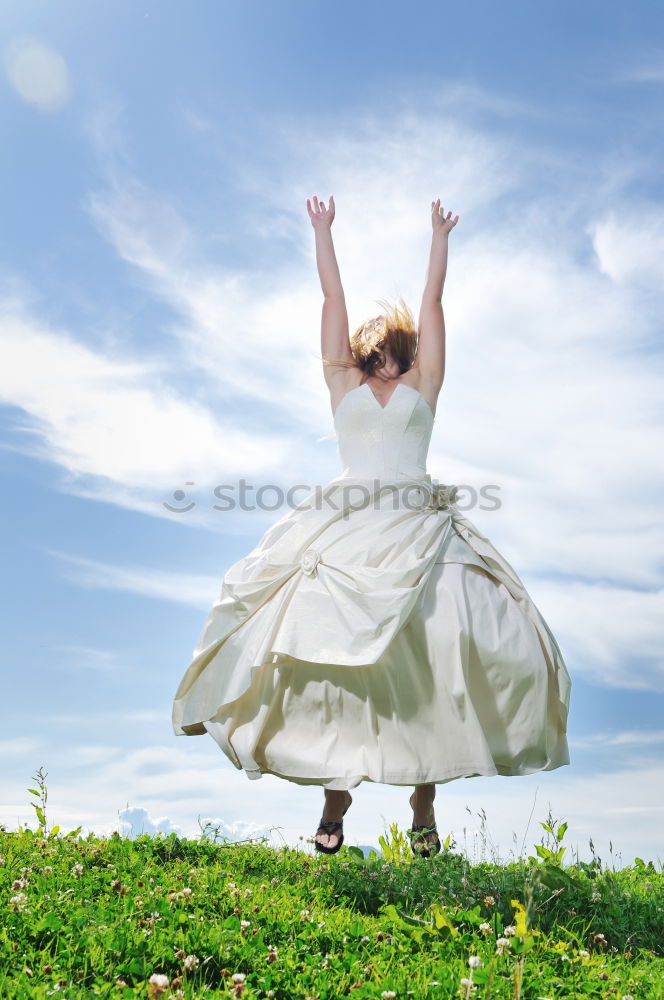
[375, 634]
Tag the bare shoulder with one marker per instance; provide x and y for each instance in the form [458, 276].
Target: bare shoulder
[339, 381]
[428, 385]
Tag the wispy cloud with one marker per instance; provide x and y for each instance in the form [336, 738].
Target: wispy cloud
[650, 69]
[633, 737]
[183, 588]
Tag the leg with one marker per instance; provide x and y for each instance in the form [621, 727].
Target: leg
[421, 802]
[336, 804]
[424, 843]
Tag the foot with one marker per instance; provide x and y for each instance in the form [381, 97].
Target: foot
[336, 804]
[424, 843]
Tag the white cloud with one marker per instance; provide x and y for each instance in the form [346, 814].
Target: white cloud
[612, 635]
[135, 821]
[649, 70]
[18, 746]
[188, 589]
[87, 657]
[632, 737]
[630, 244]
[115, 427]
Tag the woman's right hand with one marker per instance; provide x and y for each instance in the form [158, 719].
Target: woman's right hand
[321, 217]
[438, 220]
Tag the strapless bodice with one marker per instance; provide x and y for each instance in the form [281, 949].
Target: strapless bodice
[386, 442]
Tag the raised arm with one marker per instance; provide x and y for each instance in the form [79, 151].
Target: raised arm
[430, 356]
[335, 342]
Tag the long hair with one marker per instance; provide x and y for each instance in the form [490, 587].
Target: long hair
[394, 330]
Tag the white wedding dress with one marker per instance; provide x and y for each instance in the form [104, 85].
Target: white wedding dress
[374, 634]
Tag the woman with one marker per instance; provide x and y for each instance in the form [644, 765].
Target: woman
[378, 636]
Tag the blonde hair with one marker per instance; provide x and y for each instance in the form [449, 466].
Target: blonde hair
[394, 329]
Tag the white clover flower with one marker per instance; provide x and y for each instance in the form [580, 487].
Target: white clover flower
[595, 898]
[245, 923]
[77, 870]
[583, 953]
[19, 902]
[388, 994]
[501, 944]
[510, 929]
[485, 928]
[158, 982]
[47, 869]
[474, 961]
[304, 913]
[190, 963]
[238, 977]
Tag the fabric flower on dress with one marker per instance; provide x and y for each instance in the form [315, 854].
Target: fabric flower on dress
[309, 561]
[443, 497]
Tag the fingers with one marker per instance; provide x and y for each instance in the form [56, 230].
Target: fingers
[440, 213]
[319, 206]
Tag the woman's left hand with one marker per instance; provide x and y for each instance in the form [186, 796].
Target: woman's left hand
[438, 219]
[321, 217]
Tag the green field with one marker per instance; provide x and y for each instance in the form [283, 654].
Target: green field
[173, 917]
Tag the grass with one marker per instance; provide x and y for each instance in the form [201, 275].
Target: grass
[174, 917]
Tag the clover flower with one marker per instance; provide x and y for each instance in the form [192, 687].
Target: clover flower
[157, 984]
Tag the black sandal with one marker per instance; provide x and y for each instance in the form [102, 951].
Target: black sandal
[418, 836]
[329, 827]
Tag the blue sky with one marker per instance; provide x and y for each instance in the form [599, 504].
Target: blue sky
[160, 326]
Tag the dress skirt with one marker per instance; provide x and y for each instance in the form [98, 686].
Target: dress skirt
[472, 683]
